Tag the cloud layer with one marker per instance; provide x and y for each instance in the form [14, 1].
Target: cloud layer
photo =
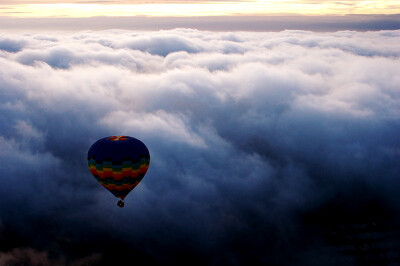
[210, 23]
[263, 146]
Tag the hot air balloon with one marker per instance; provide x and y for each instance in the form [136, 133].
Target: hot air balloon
[118, 163]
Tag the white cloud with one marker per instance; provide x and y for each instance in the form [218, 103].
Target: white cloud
[169, 127]
[246, 130]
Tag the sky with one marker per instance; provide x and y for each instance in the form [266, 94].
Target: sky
[78, 8]
[223, 15]
[269, 145]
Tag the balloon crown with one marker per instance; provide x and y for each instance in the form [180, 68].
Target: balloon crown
[118, 138]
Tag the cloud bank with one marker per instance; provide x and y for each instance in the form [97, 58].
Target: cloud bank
[327, 23]
[267, 148]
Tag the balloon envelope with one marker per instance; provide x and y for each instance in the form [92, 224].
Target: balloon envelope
[118, 163]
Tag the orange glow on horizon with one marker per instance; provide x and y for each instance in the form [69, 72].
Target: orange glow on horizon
[187, 9]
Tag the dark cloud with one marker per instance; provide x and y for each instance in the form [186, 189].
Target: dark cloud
[267, 148]
[29, 256]
[10, 45]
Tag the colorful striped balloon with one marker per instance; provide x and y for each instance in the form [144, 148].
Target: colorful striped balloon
[118, 163]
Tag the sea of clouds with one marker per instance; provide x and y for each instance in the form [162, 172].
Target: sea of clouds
[260, 144]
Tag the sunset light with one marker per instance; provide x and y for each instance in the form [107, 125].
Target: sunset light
[200, 8]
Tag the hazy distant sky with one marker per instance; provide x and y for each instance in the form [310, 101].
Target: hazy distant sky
[222, 15]
[81, 8]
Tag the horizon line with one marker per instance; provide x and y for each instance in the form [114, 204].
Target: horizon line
[328, 23]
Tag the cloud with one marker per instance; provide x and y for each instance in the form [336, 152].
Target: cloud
[264, 146]
[33, 257]
[262, 23]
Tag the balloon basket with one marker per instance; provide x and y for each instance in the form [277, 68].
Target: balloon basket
[121, 204]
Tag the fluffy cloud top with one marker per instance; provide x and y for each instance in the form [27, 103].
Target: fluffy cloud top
[262, 145]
